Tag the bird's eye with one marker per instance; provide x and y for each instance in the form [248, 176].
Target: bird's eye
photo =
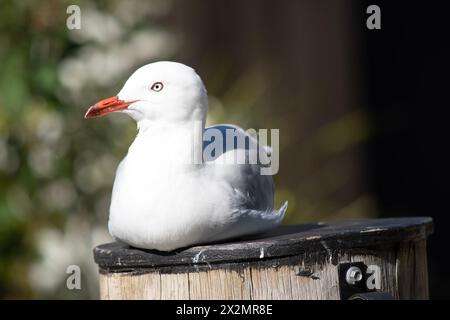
[157, 86]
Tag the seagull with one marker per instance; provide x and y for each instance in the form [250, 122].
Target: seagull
[166, 194]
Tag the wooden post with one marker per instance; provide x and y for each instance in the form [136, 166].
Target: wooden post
[291, 262]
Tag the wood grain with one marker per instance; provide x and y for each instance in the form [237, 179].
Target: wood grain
[304, 273]
[403, 274]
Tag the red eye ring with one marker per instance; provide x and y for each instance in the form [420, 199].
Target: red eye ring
[157, 86]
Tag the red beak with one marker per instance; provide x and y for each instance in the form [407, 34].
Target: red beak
[106, 106]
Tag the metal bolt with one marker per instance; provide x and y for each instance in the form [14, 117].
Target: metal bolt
[353, 275]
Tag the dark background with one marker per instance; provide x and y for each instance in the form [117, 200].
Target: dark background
[407, 84]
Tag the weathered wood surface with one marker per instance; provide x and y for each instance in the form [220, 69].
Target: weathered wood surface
[291, 262]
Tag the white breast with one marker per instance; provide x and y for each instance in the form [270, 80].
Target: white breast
[159, 203]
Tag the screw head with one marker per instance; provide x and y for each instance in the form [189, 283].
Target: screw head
[353, 275]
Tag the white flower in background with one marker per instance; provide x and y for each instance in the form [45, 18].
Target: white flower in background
[111, 50]
[103, 65]
[41, 160]
[94, 172]
[58, 195]
[130, 11]
[59, 249]
[97, 27]
[50, 128]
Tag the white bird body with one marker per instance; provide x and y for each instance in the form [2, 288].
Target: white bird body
[162, 198]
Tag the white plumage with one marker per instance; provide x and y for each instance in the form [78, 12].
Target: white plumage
[165, 196]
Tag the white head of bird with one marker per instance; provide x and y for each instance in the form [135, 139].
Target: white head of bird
[166, 92]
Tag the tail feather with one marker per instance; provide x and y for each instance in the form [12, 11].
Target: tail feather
[250, 221]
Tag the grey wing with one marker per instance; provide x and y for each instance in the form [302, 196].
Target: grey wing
[252, 192]
[253, 212]
[229, 137]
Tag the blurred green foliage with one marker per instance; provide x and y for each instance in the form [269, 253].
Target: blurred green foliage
[26, 82]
